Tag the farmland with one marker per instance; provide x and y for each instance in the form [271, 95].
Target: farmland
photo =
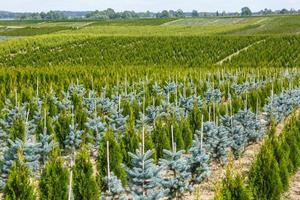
[189, 108]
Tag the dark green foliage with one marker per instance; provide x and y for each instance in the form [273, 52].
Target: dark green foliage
[264, 175]
[18, 130]
[30, 31]
[85, 186]
[177, 131]
[19, 186]
[62, 128]
[195, 118]
[294, 156]
[187, 134]
[54, 180]
[149, 145]
[161, 139]
[282, 157]
[129, 142]
[115, 159]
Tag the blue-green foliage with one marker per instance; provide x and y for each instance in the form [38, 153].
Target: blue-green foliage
[178, 180]
[217, 140]
[114, 188]
[144, 177]
[11, 155]
[98, 127]
[198, 161]
[283, 104]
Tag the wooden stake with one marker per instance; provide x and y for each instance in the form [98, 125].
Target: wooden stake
[107, 157]
[201, 134]
[172, 137]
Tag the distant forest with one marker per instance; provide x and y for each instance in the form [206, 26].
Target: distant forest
[111, 14]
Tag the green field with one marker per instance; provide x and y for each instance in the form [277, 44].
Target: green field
[193, 94]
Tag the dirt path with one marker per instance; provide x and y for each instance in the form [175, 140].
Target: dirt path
[294, 191]
[171, 22]
[238, 52]
[206, 190]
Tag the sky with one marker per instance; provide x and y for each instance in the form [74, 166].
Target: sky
[144, 5]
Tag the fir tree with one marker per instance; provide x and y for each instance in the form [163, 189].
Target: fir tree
[144, 178]
[218, 141]
[177, 182]
[72, 143]
[113, 187]
[3, 143]
[54, 180]
[198, 161]
[11, 155]
[85, 186]
[98, 129]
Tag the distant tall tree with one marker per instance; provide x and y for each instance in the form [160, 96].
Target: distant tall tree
[179, 13]
[195, 13]
[246, 11]
[163, 14]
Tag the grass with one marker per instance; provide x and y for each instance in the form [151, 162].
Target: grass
[271, 25]
[30, 31]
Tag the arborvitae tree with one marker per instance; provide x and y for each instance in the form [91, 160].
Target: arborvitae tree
[187, 134]
[149, 145]
[18, 185]
[286, 148]
[160, 139]
[195, 119]
[177, 182]
[177, 131]
[264, 175]
[129, 142]
[85, 186]
[233, 187]
[144, 178]
[18, 129]
[54, 180]
[282, 158]
[115, 160]
[294, 155]
[62, 127]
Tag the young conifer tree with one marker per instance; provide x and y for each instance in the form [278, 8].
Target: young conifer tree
[233, 187]
[264, 175]
[54, 180]
[18, 185]
[116, 159]
[144, 178]
[85, 185]
[112, 186]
